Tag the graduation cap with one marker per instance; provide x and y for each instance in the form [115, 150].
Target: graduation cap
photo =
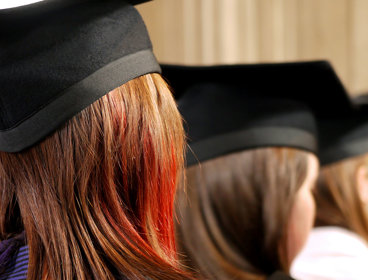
[345, 136]
[304, 81]
[239, 107]
[59, 56]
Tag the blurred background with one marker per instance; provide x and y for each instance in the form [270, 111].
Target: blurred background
[205, 32]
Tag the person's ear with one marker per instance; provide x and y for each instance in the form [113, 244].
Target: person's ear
[362, 180]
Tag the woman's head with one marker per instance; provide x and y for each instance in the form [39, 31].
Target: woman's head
[342, 190]
[95, 197]
[342, 195]
[241, 210]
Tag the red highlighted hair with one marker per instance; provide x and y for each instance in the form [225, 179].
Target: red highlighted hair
[96, 197]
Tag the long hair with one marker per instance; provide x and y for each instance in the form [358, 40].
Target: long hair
[337, 197]
[233, 225]
[95, 198]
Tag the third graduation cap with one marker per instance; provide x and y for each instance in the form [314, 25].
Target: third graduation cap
[234, 108]
[346, 135]
[59, 56]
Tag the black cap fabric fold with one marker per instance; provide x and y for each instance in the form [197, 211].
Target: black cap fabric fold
[57, 62]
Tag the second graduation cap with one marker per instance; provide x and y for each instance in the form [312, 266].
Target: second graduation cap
[233, 108]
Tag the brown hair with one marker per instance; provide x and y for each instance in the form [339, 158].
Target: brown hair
[233, 224]
[337, 197]
[95, 198]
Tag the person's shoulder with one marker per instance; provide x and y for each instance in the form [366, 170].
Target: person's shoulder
[19, 267]
[337, 241]
[332, 253]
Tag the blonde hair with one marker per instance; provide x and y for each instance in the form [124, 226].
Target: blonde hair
[337, 197]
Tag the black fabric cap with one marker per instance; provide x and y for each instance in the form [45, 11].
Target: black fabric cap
[234, 108]
[221, 119]
[344, 136]
[304, 81]
[58, 60]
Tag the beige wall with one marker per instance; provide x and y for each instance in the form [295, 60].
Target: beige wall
[248, 31]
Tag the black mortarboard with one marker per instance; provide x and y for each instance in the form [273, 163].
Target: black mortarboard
[59, 56]
[239, 107]
[345, 136]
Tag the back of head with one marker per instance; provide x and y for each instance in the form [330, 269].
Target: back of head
[234, 221]
[91, 142]
[338, 199]
[343, 154]
[251, 140]
[95, 197]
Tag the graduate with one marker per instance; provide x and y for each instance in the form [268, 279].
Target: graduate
[251, 165]
[337, 247]
[91, 145]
